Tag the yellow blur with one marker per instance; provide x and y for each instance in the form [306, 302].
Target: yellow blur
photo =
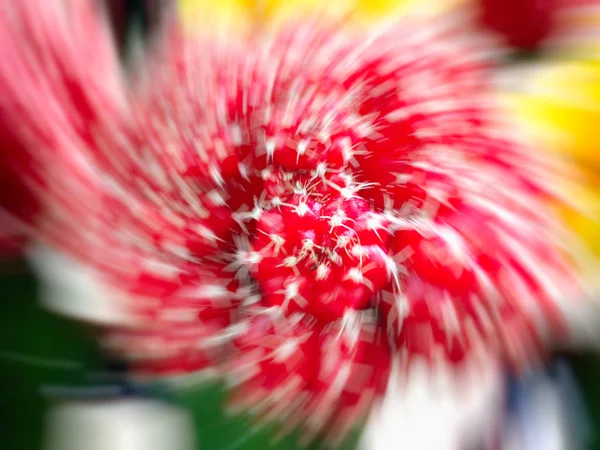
[561, 107]
[240, 14]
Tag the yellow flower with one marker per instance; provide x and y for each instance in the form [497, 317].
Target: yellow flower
[583, 215]
[204, 15]
[241, 14]
[560, 106]
[357, 9]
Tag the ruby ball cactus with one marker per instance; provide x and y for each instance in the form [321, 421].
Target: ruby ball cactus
[297, 210]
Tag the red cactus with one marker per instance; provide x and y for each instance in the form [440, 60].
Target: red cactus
[295, 211]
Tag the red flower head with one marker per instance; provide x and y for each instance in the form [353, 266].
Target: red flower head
[297, 209]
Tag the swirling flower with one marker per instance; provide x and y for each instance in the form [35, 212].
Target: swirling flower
[299, 208]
